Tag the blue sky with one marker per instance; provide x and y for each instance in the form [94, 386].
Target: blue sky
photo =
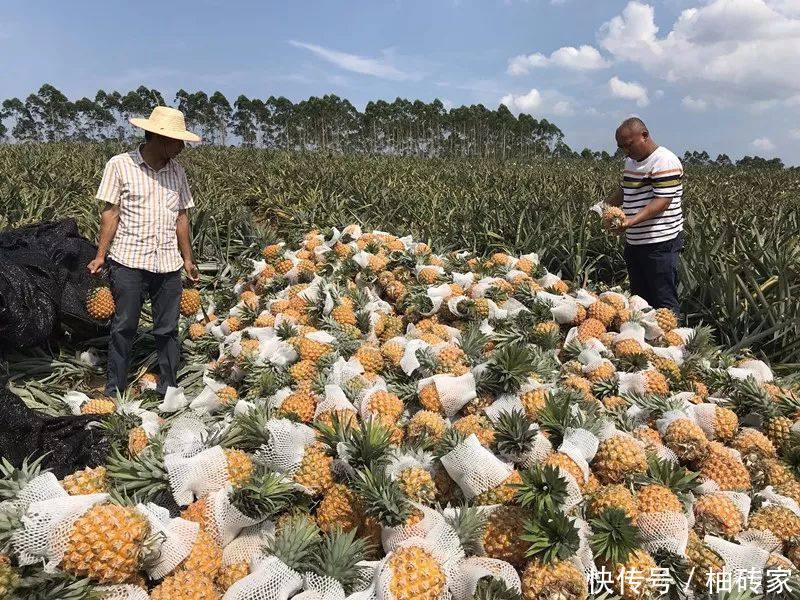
[719, 75]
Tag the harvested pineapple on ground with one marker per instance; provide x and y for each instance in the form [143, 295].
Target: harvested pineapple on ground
[377, 420]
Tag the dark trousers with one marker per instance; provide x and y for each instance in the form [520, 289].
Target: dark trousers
[130, 287]
[653, 272]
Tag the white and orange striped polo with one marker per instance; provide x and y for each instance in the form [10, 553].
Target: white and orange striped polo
[149, 202]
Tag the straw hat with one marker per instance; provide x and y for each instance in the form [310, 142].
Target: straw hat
[168, 122]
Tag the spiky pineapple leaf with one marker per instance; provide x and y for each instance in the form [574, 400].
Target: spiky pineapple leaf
[266, 494]
[338, 555]
[295, 543]
[671, 475]
[613, 535]
[543, 489]
[489, 588]
[382, 497]
[13, 479]
[514, 434]
[552, 536]
[469, 522]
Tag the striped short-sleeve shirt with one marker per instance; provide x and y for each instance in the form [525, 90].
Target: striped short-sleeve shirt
[660, 175]
[149, 202]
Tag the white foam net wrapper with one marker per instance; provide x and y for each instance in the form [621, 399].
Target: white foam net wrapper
[383, 578]
[318, 587]
[46, 526]
[759, 538]
[247, 544]
[123, 592]
[186, 436]
[454, 392]
[177, 536]
[581, 446]
[565, 311]
[772, 497]
[410, 363]
[632, 383]
[192, 477]
[174, 399]
[286, 446]
[471, 570]
[334, 399]
[738, 557]
[42, 487]
[343, 371]
[474, 468]
[505, 404]
[668, 530]
[271, 579]
[225, 521]
[393, 537]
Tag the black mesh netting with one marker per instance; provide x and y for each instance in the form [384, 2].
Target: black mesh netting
[43, 280]
[68, 442]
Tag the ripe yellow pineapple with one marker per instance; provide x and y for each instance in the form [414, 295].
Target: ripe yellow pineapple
[557, 579]
[612, 218]
[416, 574]
[105, 544]
[418, 485]
[264, 319]
[502, 535]
[86, 481]
[726, 423]
[477, 424]
[185, 585]
[230, 574]
[449, 358]
[604, 370]
[656, 383]
[627, 347]
[196, 512]
[315, 470]
[370, 358]
[666, 319]
[724, 468]
[429, 399]
[196, 331]
[9, 577]
[250, 299]
[99, 406]
[562, 461]
[533, 401]
[614, 495]
[778, 430]
[752, 441]
[343, 313]
[228, 395]
[428, 275]
[781, 521]
[303, 370]
[501, 494]
[234, 323]
[240, 467]
[205, 556]
[686, 439]
[581, 384]
[387, 406]
[591, 328]
[602, 311]
[657, 498]
[617, 457]
[311, 350]
[703, 562]
[340, 507]
[190, 302]
[716, 514]
[100, 303]
[425, 424]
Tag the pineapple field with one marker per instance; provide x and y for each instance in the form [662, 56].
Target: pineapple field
[420, 380]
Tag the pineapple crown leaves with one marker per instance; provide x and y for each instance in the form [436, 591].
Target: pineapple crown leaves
[571, 350]
[473, 341]
[338, 555]
[701, 343]
[513, 434]
[428, 363]
[364, 446]
[671, 475]
[265, 495]
[295, 544]
[489, 588]
[143, 477]
[509, 367]
[747, 396]
[248, 430]
[13, 479]
[552, 536]
[285, 330]
[40, 585]
[565, 409]
[469, 523]
[613, 535]
[542, 489]
[679, 571]
[450, 439]
[382, 497]
[264, 380]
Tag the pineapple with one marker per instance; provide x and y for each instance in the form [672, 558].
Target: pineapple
[703, 562]
[205, 556]
[603, 312]
[591, 328]
[613, 217]
[533, 401]
[617, 457]
[716, 514]
[230, 574]
[386, 406]
[425, 425]
[370, 358]
[685, 438]
[502, 536]
[315, 471]
[614, 495]
[655, 383]
[514, 436]
[551, 573]
[105, 544]
[190, 302]
[418, 485]
[186, 585]
[196, 512]
[666, 319]
[227, 395]
[338, 556]
[429, 399]
[86, 481]
[781, 521]
[100, 302]
[500, 494]
[723, 467]
[240, 467]
[726, 423]
[752, 441]
[301, 404]
[657, 498]
[477, 424]
[628, 347]
[99, 406]
[416, 574]
[9, 577]
[196, 331]
[340, 508]
[311, 350]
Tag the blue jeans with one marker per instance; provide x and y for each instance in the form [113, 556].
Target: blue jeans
[653, 272]
[130, 287]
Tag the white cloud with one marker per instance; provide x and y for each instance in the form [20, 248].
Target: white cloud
[745, 48]
[563, 108]
[694, 104]
[523, 102]
[763, 143]
[795, 133]
[522, 64]
[583, 58]
[629, 90]
[353, 62]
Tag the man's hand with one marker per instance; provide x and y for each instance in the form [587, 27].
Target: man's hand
[622, 227]
[96, 265]
[191, 271]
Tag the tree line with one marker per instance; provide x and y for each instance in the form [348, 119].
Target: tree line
[402, 127]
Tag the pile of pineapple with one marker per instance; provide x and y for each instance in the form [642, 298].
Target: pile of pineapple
[371, 420]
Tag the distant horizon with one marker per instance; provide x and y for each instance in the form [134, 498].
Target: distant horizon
[705, 75]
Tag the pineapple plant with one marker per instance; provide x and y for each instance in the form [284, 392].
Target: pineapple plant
[186, 585]
[502, 538]
[720, 465]
[612, 496]
[685, 438]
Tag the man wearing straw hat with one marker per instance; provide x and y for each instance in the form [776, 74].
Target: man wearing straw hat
[144, 229]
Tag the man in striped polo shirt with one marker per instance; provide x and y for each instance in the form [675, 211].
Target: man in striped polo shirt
[650, 196]
[145, 231]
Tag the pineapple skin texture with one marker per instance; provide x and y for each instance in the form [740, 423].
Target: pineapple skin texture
[416, 575]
